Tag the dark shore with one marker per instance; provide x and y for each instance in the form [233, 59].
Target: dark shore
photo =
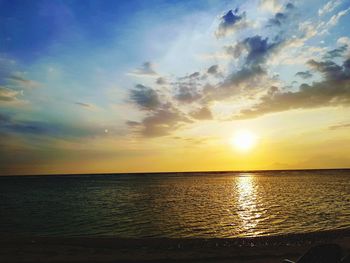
[109, 249]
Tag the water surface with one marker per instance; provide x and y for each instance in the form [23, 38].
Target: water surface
[176, 205]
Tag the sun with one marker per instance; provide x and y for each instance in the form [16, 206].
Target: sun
[244, 140]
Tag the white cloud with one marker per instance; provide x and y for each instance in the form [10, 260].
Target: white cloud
[271, 5]
[329, 7]
[343, 41]
[335, 18]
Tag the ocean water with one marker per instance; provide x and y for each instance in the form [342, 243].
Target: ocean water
[176, 205]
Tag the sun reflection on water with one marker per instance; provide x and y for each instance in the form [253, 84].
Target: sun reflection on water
[247, 203]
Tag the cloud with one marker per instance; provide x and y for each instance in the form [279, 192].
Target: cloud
[330, 70]
[336, 53]
[132, 123]
[202, 114]
[231, 22]
[161, 122]
[161, 118]
[8, 124]
[214, 70]
[344, 41]
[281, 16]
[289, 6]
[145, 97]
[251, 75]
[329, 7]
[187, 93]
[333, 21]
[82, 104]
[304, 74]
[334, 90]
[23, 82]
[161, 81]
[258, 49]
[339, 126]
[7, 94]
[277, 20]
[146, 70]
[236, 50]
[271, 5]
[246, 79]
[194, 75]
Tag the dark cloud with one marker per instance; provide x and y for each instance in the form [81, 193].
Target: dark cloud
[202, 114]
[10, 125]
[161, 118]
[145, 97]
[258, 49]
[187, 93]
[336, 53]
[194, 75]
[277, 20]
[290, 6]
[161, 81]
[280, 18]
[214, 69]
[82, 104]
[304, 74]
[329, 69]
[132, 123]
[245, 74]
[245, 78]
[160, 122]
[230, 22]
[333, 90]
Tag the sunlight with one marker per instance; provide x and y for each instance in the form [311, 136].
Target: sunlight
[247, 197]
[244, 140]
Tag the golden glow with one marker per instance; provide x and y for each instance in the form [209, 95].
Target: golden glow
[244, 140]
[247, 199]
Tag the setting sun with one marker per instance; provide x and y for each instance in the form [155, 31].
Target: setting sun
[244, 140]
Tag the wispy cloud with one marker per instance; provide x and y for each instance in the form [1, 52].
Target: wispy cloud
[329, 7]
[304, 74]
[22, 82]
[146, 70]
[339, 126]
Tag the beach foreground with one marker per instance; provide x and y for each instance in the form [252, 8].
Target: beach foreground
[96, 249]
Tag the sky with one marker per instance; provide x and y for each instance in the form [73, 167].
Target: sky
[90, 86]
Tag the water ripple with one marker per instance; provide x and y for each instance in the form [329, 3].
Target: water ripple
[167, 205]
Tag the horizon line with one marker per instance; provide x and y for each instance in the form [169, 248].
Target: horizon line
[173, 172]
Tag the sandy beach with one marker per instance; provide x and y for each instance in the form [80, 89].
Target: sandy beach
[107, 249]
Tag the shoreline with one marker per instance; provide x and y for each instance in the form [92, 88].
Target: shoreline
[112, 249]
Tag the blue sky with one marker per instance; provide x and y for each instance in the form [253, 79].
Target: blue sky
[77, 74]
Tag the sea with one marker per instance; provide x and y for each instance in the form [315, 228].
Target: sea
[176, 205]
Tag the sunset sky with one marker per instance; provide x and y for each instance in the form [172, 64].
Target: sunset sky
[150, 86]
